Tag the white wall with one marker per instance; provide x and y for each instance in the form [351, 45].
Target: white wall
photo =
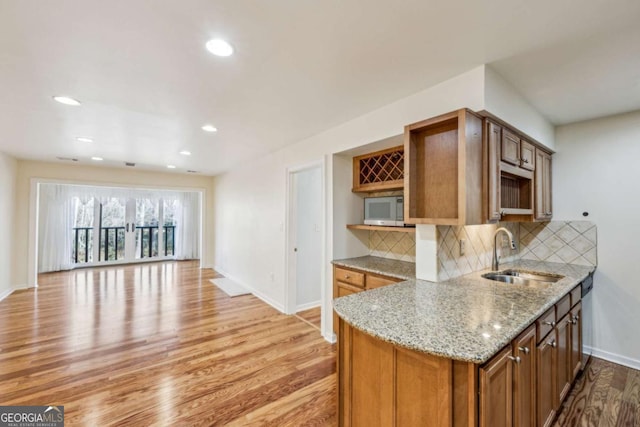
[8, 177]
[505, 102]
[250, 201]
[594, 170]
[308, 184]
[26, 170]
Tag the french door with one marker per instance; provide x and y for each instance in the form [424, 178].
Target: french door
[125, 230]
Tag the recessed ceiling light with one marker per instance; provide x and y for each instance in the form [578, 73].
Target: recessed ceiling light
[97, 159]
[219, 47]
[84, 139]
[209, 128]
[185, 152]
[67, 100]
[171, 166]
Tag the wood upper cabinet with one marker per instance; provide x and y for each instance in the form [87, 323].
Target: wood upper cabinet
[379, 171]
[510, 148]
[524, 378]
[517, 151]
[443, 170]
[543, 193]
[496, 390]
[491, 189]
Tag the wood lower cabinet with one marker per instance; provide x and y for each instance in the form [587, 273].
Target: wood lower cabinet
[384, 385]
[524, 379]
[563, 359]
[496, 391]
[576, 340]
[543, 209]
[523, 385]
[508, 384]
[347, 281]
[546, 384]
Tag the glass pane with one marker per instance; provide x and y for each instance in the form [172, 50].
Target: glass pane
[82, 245]
[112, 232]
[170, 209]
[147, 213]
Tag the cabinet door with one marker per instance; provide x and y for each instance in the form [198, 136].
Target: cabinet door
[576, 340]
[510, 149]
[524, 384]
[527, 155]
[543, 190]
[494, 135]
[563, 359]
[496, 391]
[546, 384]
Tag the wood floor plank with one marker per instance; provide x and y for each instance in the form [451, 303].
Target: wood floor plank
[157, 344]
[312, 315]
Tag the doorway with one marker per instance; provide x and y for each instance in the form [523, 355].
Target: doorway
[305, 227]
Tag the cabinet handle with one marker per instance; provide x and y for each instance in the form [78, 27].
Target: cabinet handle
[347, 276]
[571, 321]
[548, 213]
[552, 324]
[501, 214]
[576, 317]
[525, 160]
[525, 350]
[552, 344]
[515, 359]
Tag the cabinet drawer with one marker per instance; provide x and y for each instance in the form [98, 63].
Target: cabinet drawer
[348, 276]
[378, 281]
[345, 289]
[563, 306]
[546, 323]
[576, 295]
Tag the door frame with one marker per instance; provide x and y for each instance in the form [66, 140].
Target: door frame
[290, 237]
[34, 207]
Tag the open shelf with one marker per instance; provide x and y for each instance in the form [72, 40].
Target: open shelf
[381, 228]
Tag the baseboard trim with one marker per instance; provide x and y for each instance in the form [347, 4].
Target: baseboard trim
[308, 305]
[330, 337]
[254, 291]
[616, 358]
[6, 293]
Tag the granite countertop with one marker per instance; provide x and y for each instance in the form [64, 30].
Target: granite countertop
[468, 318]
[384, 266]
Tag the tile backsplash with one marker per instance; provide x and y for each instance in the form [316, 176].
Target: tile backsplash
[393, 245]
[478, 250]
[573, 242]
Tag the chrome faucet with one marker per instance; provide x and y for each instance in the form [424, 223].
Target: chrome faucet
[496, 261]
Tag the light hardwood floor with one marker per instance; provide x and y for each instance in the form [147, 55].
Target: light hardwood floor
[158, 344]
[312, 315]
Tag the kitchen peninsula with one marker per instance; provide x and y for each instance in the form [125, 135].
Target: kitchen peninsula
[425, 353]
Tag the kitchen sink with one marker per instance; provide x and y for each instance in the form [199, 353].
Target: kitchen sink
[517, 277]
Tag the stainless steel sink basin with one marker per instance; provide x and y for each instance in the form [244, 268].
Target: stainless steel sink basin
[517, 277]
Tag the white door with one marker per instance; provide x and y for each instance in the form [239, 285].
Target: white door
[307, 189]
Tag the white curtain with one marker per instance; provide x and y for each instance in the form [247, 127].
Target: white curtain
[187, 237]
[55, 231]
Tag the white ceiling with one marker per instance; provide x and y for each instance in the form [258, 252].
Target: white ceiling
[147, 84]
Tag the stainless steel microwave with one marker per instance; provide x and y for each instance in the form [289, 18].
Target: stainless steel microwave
[384, 211]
